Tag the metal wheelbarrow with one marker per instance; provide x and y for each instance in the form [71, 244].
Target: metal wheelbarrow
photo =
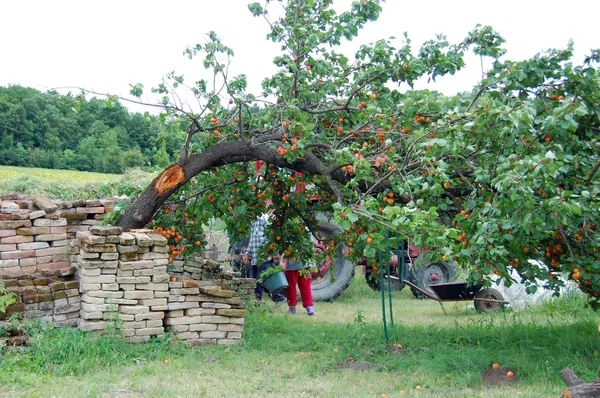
[485, 299]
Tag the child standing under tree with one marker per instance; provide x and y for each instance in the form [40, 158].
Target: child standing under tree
[297, 277]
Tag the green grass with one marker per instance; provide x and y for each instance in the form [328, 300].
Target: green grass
[69, 184]
[289, 356]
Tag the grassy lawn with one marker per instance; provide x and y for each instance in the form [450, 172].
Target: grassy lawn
[68, 184]
[291, 356]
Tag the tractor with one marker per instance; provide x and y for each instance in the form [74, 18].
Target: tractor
[417, 270]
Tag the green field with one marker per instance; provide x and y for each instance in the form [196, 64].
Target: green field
[68, 184]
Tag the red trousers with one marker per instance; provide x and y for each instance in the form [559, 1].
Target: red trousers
[294, 279]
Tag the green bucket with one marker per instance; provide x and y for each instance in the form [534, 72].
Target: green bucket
[276, 283]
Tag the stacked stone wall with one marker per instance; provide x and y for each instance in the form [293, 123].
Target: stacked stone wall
[65, 267]
[35, 253]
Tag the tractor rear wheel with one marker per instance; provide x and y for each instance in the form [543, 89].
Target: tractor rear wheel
[425, 274]
[324, 287]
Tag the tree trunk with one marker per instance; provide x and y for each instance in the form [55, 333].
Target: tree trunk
[577, 389]
[175, 176]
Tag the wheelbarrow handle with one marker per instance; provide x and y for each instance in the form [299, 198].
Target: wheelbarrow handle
[423, 292]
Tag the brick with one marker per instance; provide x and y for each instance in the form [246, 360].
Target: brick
[238, 313]
[234, 335]
[44, 222]
[98, 279]
[133, 279]
[15, 224]
[17, 254]
[153, 286]
[109, 256]
[153, 256]
[97, 264]
[89, 256]
[126, 239]
[134, 309]
[34, 246]
[184, 320]
[179, 328]
[215, 305]
[8, 247]
[26, 262]
[133, 265]
[58, 230]
[33, 231]
[98, 307]
[89, 238]
[121, 301]
[160, 278]
[58, 243]
[110, 286]
[215, 319]
[184, 291]
[89, 326]
[153, 301]
[142, 240]
[215, 334]
[92, 300]
[9, 263]
[228, 327]
[99, 248]
[139, 294]
[203, 327]
[237, 321]
[149, 315]
[154, 323]
[89, 210]
[218, 292]
[112, 239]
[181, 306]
[36, 214]
[160, 249]
[16, 239]
[7, 232]
[109, 271]
[200, 311]
[105, 294]
[51, 251]
[50, 237]
[89, 271]
[157, 239]
[188, 336]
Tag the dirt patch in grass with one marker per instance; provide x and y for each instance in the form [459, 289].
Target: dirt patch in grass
[492, 377]
[356, 366]
[394, 349]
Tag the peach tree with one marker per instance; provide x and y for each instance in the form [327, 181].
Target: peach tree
[500, 178]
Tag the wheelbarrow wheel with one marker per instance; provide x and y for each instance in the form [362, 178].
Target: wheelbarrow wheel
[495, 300]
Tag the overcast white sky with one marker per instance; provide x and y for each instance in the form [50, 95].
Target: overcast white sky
[106, 45]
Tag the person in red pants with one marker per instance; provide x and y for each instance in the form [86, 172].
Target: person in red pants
[292, 273]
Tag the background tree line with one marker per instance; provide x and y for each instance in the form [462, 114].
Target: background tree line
[56, 131]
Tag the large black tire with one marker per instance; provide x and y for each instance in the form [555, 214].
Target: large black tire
[323, 288]
[489, 306]
[374, 280]
[237, 264]
[423, 271]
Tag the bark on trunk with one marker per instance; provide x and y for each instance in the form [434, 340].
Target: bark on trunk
[576, 389]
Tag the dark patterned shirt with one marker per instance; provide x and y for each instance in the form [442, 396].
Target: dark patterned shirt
[257, 238]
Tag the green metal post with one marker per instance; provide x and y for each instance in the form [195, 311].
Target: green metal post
[389, 274]
[382, 284]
